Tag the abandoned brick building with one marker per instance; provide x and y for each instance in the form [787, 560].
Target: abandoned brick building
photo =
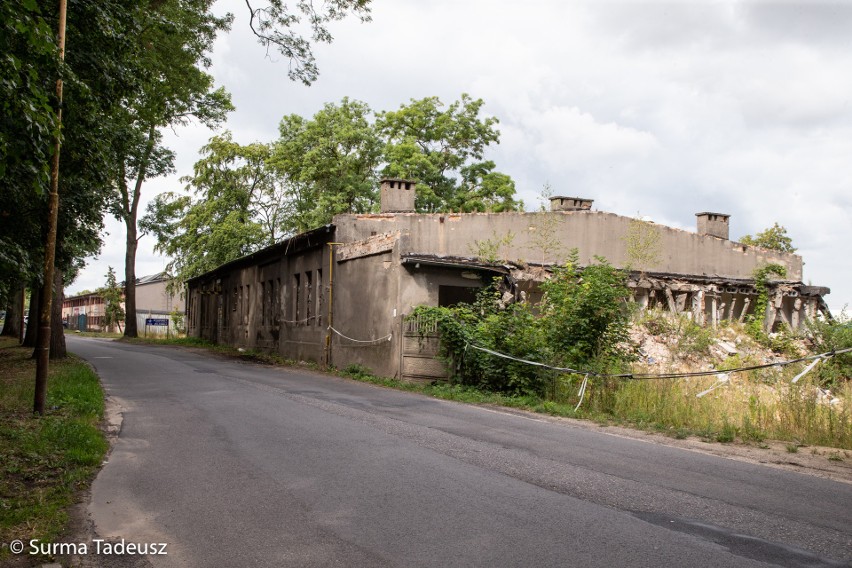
[339, 294]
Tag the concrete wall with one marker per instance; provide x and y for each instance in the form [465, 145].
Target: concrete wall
[277, 306]
[367, 308]
[591, 232]
[372, 295]
[156, 298]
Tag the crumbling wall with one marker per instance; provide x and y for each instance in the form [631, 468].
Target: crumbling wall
[592, 233]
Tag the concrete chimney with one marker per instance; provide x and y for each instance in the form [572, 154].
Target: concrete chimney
[713, 224]
[397, 195]
[560, 203]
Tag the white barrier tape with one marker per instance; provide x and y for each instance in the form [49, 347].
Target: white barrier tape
[582, 392]
[721, 379]
[806, 371]
[388, 337]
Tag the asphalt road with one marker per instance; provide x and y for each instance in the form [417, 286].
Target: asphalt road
[237, 464]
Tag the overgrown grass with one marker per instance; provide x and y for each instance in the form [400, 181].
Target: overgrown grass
[45, 460]
[749, 408]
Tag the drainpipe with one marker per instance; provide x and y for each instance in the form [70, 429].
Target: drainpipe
[330, 302]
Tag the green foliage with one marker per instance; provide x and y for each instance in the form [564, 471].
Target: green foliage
[692, 339]
[27, 119]
[444, 151]
[833, 335]
[236, 209]
[245, 197]
[177, 320]
[773, 238]
[754, 322]
[642, 245]
[131, 68]
[45, 461]
[273, 23]
[358, 372]
[112, 295]
[492, 250]
[328, 164]
[581, 323]
[585, 314]
[97, 75]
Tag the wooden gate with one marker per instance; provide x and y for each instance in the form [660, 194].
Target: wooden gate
[420, 348]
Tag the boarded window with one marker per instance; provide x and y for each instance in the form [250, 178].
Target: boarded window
[279, 292]
[264, 309]
[247, 304]
[309, 298]
[297, 289]
[319, 297]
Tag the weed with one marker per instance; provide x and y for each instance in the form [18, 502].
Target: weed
[728, 434]
[45, 459]
[792, 448]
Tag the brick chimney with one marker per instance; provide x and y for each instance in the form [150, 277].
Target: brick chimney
[397, 195]
[713, 224]
[560, 203]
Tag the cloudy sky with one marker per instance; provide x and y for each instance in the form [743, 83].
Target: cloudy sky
[659, 108]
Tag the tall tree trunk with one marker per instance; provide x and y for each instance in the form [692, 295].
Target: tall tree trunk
[12, 326]
[57, 334]
[31, 334]
[130, 280]
[130, 204]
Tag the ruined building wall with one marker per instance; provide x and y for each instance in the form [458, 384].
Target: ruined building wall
[593, 233]
[278, 306]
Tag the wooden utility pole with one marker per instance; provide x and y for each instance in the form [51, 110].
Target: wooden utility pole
[43, 345]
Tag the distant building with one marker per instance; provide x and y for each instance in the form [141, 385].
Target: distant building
[339, 294]
[152, 299]
[152, 295]
[84, 312]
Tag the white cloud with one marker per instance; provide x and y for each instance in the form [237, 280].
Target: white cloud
[662, 108]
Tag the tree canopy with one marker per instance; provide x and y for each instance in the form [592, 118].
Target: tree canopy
[443, 150]
[243, 197]
[130, 69]
[773, 238]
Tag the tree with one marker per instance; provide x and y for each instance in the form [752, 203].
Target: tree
[544, 237]
[642, 245]
[172, 51]
[244, 197]
[275, 22]
[443, 150]
[12, 307]
[773, 238]
[27, 50]
[328, 163]
[584, 313]
[226, 214]
[111, 293]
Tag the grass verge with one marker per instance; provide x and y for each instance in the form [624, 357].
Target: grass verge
[45, 460]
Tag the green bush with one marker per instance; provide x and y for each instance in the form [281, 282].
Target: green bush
[693, 339]
[581, 322]
[830, 336]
